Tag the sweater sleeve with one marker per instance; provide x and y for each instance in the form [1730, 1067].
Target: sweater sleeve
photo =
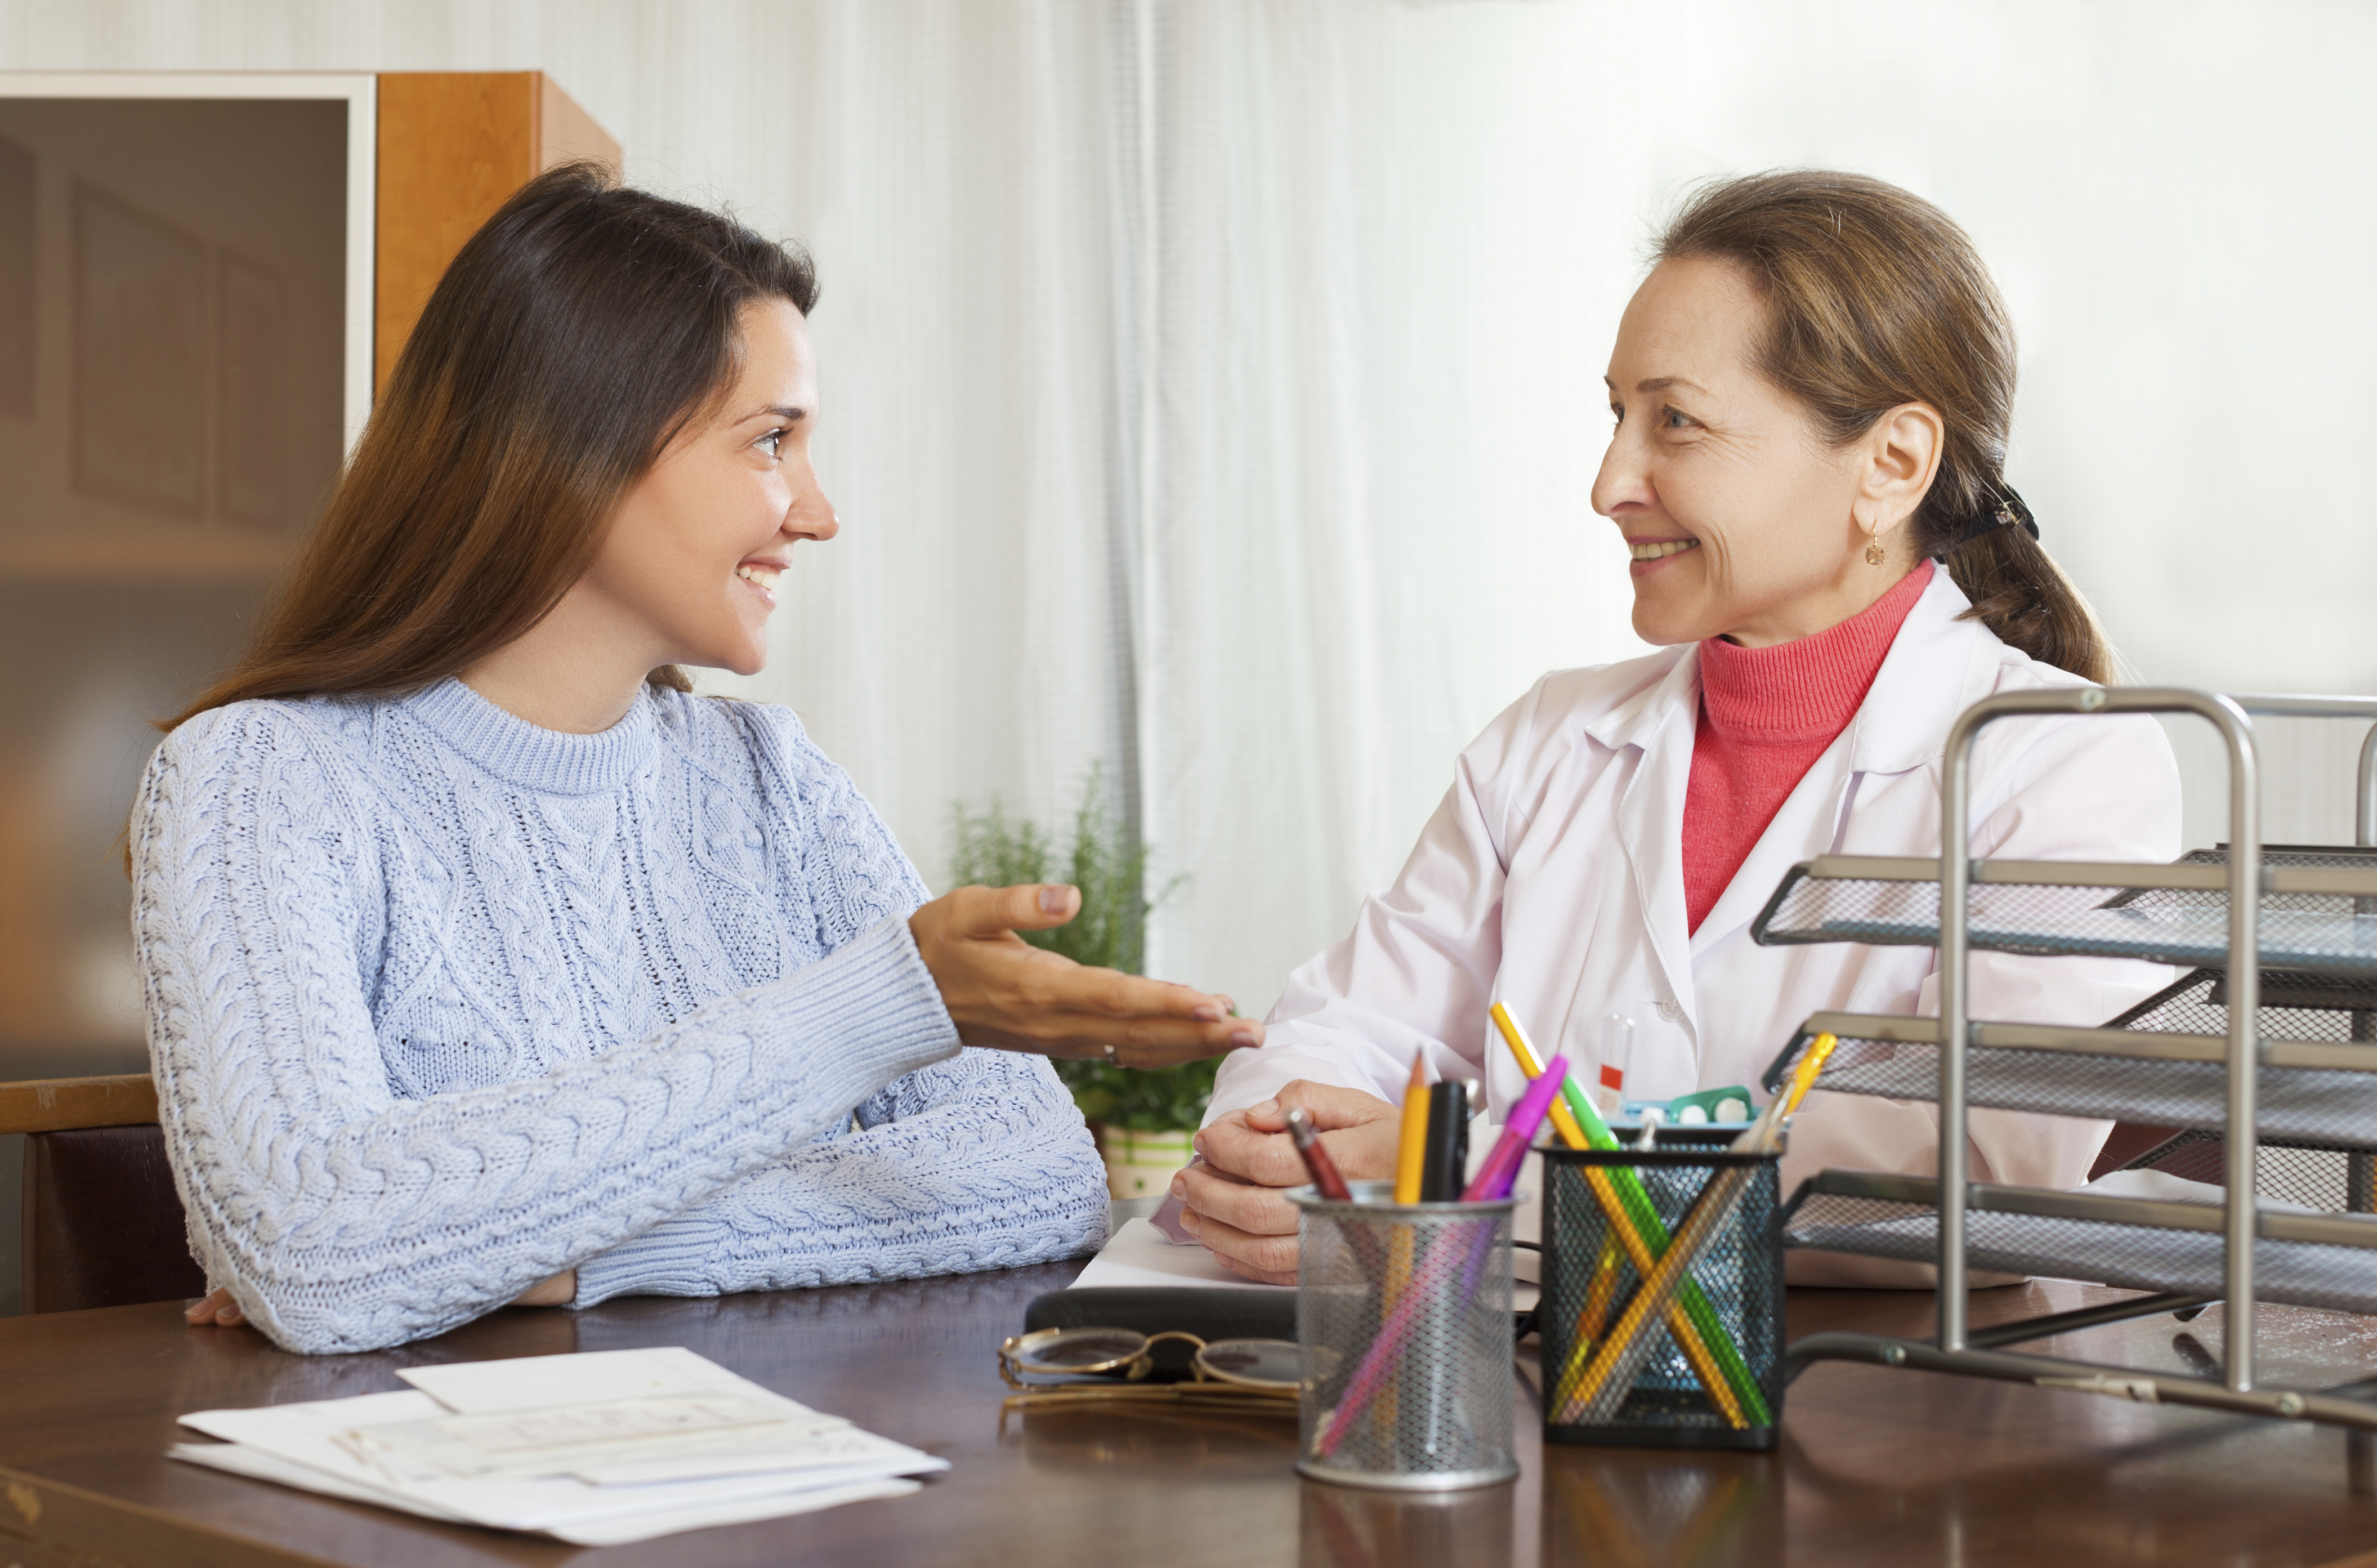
[343, 1219]
[977, 1163]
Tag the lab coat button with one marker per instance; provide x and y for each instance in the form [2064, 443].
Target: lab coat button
[1670, 1009]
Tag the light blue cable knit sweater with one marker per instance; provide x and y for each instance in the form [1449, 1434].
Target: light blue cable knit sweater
[441, 1003]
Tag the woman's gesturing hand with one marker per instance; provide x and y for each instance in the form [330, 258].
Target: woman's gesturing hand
[1007, 994]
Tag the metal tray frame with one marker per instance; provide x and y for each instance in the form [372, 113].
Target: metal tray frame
[2239, 1222]
[2338, 944]
[2037, 1069]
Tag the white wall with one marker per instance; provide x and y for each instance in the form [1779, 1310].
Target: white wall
[2179, 199]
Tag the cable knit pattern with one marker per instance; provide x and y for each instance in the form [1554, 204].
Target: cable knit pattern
[441, 1003]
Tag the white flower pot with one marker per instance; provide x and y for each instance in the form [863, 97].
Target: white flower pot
[1141, 1164]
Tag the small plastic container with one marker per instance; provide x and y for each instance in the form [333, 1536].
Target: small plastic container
[1404, 1326]
[1737, 1313]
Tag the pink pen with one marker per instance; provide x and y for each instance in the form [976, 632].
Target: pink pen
[1501, 1171]
[1444, 1259]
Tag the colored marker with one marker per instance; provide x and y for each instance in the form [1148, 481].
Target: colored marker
[1644, 1237]
[1323, 1170]
[1501, 1171]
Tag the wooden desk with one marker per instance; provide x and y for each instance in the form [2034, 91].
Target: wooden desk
[1875, 1467]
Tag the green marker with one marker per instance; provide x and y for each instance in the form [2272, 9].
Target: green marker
[1647, 1224]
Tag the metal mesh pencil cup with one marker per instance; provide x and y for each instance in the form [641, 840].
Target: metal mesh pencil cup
[1403, 1318]
[1725, 1325]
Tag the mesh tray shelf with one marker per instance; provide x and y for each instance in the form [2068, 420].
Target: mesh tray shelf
[2303, 1107]
[2318, 932]
[2136, 1257]
[2295, 1006]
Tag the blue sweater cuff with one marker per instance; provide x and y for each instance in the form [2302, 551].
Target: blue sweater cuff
[873, 1004]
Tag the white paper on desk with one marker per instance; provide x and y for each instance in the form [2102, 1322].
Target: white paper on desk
[545, 1382]
[847, 1449]
[239, 1460]
[310, 1436]
[449, 1445]
[740, 1451]
[618, 1411]
[645, 1526]
[609, 1422]
[1138, 1254]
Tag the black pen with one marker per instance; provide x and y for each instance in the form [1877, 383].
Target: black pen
[1448, 1143]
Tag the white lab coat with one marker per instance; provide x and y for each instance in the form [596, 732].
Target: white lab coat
[1551, 879]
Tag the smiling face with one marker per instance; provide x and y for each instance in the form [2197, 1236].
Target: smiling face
[696, 553]
[1741, 519]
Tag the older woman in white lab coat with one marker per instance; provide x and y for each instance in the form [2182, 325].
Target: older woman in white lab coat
[1813, 390]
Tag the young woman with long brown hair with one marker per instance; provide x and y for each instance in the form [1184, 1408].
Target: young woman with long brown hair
[1812, 393]
[484, 962]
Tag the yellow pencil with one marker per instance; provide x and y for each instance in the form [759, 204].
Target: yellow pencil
[1411, 1162]
[1598, 1298]
[1691, 1321]
[1410, 1155]
[1596, 1384]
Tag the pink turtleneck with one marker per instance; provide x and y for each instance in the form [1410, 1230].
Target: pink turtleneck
[1766, 715]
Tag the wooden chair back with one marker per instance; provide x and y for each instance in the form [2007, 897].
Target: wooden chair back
[102, 1225]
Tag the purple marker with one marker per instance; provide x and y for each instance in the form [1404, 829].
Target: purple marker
[1501, 1171]
[1495, 1178]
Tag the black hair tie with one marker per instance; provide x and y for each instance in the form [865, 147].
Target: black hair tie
[2009, 510]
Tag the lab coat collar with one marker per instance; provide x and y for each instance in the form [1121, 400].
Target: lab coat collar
[1901, 724]
[1661, 722]
[1937, 667]
[1661, 696]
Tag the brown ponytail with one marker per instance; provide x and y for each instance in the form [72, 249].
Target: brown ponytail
[1879, 299]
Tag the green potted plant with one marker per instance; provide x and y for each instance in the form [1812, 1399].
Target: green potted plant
[1143, 1120]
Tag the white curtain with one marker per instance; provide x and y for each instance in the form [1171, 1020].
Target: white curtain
[1212, 385]
[1392, 243]
[1162, 440]
[954, 169]
[1366, 528]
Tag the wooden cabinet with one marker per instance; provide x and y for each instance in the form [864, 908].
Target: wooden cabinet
[203, 280]
[452, 145]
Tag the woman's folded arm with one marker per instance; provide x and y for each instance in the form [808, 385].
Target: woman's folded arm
[344, 1218]
[976, 1163]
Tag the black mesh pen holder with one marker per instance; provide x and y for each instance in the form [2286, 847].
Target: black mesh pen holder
[1707, 1371]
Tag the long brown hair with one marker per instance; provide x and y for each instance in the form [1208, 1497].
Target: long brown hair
[1876, 298]
[572, 338]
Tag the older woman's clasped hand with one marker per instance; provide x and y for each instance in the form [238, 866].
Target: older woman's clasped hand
[1233, 1202]
[1004, 993]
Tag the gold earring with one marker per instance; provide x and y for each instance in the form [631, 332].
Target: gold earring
[1874, 554]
